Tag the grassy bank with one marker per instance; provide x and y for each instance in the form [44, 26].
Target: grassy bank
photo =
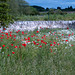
[44, 52]
[56, 17]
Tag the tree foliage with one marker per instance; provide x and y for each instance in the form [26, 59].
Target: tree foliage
[5, 18]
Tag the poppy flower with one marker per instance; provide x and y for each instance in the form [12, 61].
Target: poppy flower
[40, 46]
[6, 33]
[37, 43]
[10, 35]
[24, 45]
[4, 28]
[10, 32]
[32, 36]
[14, 39]
[54, 42]
[13, 52]
[58, 43]
[19, 46]
[7, 47]
[2, 35]
[16, 31]
[66, 40]
[37, 32]
[62, 34]
[14, 36]
[38, 40]
[11, 44]
[50, 44]
[28, 38]
[34, 43]
[0, 47]
[72, 33]
[15, 46]
[67, 28]
[72, 45]
[22, 32]
[3, 45]
[8, 55]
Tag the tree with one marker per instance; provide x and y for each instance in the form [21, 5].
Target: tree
[59, 8]
[4, 16]
[47, 9]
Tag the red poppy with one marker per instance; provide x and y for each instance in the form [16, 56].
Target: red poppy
[72, 33]
[4, 28]
[7, 47]
[41, 41]
[50, 44]
[2, 35]
[72, 45]
[14, 39]
[10, 35]
[69, 35]
[62, 34]
[37, 43]
[37, 32]
[54, 42]
[15, 46]
[58, 43]
[0, 47]
[24, 45]
[50, 49]
[66, 40]
[16, 31]
[21, 39]
[19, 46]
[67, 28]
[13, 52]
[28, 38]
[50, 31]
[38, 40]
[11, 44]
[32, 36]
[34, 43]
[40, 46]
[3, 45]
[8, 55]
[6, 33]
[14, 36]
[22, 32]
[10, 32]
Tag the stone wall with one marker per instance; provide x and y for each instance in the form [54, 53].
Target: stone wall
[32, 25]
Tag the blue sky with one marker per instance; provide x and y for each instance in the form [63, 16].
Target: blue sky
[52, 3]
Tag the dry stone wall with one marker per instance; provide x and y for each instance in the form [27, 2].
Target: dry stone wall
[32, 25]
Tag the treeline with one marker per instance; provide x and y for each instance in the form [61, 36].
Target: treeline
[10, 9]
[42, 9]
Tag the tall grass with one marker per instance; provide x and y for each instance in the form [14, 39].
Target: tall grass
[55, 17]
[43, 52]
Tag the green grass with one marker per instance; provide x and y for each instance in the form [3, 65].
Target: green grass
[35, 60]
[54, 17]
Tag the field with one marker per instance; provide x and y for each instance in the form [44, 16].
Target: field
[44, 52]
[45, 17]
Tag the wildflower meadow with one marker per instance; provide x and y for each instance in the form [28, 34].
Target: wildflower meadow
[43, 52]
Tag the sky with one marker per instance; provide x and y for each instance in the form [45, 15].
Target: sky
[52, 3]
